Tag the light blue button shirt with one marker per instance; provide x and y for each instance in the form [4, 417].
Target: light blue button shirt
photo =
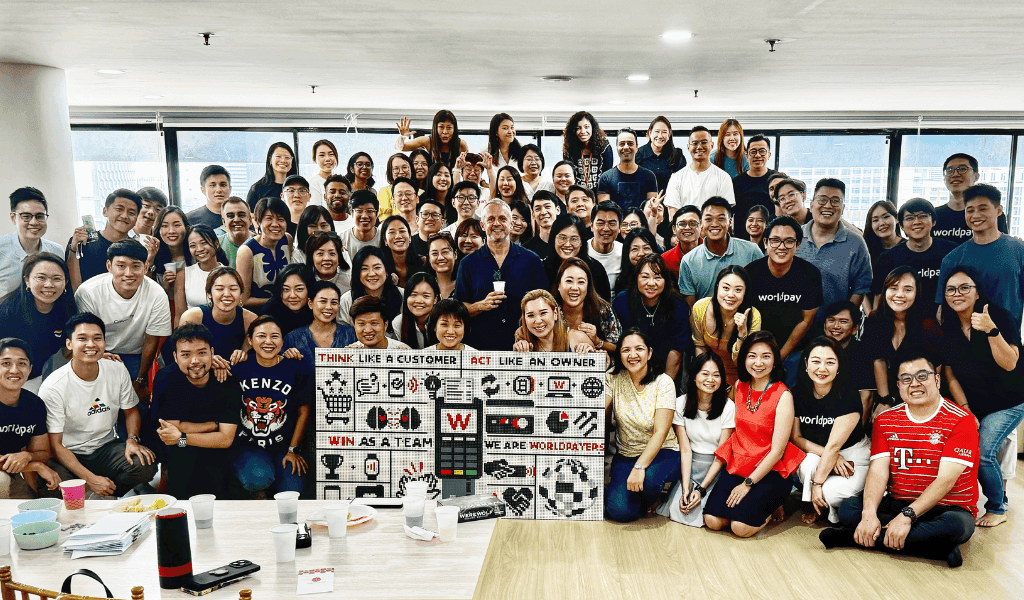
[700, 266]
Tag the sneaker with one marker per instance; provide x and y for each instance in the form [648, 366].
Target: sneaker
[836, 537]
[954, 559]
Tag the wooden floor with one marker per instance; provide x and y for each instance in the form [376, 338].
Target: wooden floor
[656, 558]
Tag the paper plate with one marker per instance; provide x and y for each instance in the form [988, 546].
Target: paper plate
[145, 502]
[357, 515]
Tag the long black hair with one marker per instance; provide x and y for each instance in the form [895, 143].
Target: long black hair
[523, 208]
[420, 183]
[494, 144]
[626, 273]
[287, 318]
[163, 254]
[676, 160]
[413, 261]
[311, 215]
[760, 337]
[665, 310]
[718, 398]
[322, 238]
[842, 374]
[654, 366]
[748, 294]
[206, 232]
[430, 191]
[915, 314]
[268, 177]
[871, 239]
[454, 145]
[350, 174]
[64, 304]
[409, 324]
[390, 293]
[571, 144]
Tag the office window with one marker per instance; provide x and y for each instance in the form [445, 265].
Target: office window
[242, 153]
[922, 157]
[1018, 192]
[380, 146]
[108, 160]
[813, 157]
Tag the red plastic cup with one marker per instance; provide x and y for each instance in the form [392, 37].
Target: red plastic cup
[74, 493]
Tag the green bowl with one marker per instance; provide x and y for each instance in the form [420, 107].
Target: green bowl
[53, 504]
[36, 536]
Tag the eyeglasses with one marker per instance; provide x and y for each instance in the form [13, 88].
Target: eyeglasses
[461, 198]
[701, 144]
[688, 224]
[790, 196]
[907, 379]
[296, 192]
[788, 243]
[430, 216]
[758, 152]
[365, 211]
[962, 290]
[43, 279]
[364, 165]
[913, 217]
[574, 240]
[959, 170]
[835, 201]
[29, 217]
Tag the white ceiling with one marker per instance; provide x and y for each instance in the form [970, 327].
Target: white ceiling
[481, 57]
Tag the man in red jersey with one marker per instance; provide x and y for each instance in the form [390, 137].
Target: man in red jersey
[925, 454]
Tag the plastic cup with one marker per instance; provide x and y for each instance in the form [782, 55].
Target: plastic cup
[412, 508]
[287, 506]
[284, 541]
[171, 267]
[5, 537]
[202, 510]
[416, 488]
[447, 522]
[499, 286]
[73, 491]
[337, 519]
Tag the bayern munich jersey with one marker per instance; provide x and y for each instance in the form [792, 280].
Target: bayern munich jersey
[915, 449]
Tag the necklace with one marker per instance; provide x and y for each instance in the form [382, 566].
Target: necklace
[760, 396]
[650, 314]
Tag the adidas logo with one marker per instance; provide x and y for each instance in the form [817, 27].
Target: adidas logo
[893, 438]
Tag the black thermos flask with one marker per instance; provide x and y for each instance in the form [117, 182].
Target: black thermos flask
[173, 550]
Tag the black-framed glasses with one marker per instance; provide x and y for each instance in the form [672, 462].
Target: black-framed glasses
[27, 217]
[835, 201]
[430, 216]
[462, 198]
[688, 224]
[788, 243]
[907, 378]
[961, 290]
[757, 152]
[959, 170]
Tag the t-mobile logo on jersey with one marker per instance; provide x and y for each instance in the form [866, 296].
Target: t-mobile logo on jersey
[905, 457]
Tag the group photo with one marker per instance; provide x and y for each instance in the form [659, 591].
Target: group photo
[725, 352]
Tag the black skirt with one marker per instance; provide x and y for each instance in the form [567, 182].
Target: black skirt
[760, 502]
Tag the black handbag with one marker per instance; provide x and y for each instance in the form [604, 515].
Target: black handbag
[66, 588]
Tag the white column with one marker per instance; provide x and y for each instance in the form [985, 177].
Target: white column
[36, 134]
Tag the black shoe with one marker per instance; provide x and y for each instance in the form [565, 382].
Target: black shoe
[836, 537]
[954, 559]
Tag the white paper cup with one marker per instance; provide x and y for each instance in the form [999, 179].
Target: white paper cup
[337, 519]
[447, 522]
[170, 267]
[284, 541]
[499, 286]
[287, 506]
[416, 488]
[202, 510]
[5, 537]
[412, 508]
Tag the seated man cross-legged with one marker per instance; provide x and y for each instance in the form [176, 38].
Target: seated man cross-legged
[197, 414]
[83, 399]
[925, 452]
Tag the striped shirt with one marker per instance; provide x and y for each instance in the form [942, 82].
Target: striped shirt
[915, 449]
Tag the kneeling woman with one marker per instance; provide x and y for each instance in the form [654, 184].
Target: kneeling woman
[828, 428]
[643, 400]
[758, 457]
[705, 418]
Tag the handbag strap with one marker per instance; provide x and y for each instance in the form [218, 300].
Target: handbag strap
[66, 588]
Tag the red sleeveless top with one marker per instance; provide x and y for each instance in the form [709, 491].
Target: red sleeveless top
[752, 440]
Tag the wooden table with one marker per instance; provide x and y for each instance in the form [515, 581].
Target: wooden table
[377, 560]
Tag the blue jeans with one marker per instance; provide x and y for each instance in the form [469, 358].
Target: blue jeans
[258, 469]
[994, 429]
[792, 365]
[624, 506]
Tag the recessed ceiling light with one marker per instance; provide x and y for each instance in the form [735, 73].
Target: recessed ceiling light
[152, 97]
[638, 77]
[558, 78]
[616, 102]
[111, 71]
[676, 35]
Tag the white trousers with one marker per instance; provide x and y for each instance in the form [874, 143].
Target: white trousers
[836, 488]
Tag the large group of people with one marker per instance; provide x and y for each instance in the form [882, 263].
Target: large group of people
[758, 343]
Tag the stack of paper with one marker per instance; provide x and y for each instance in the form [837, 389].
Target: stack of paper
[113, 534]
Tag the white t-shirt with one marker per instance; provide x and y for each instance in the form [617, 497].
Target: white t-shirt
[316, 189]
[86, 411]
[341, 227]
[612, 262]
[687, 187]
[702, 433]
[195, 286]
[354, 245]
[392, 345]
[127, 320]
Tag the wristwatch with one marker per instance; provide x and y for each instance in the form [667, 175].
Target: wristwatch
[639, 467]
[293, 449]
[135, 438]
[994, 332]
[748, 482]
[183, 440]
[699, 489]
[909, 513]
